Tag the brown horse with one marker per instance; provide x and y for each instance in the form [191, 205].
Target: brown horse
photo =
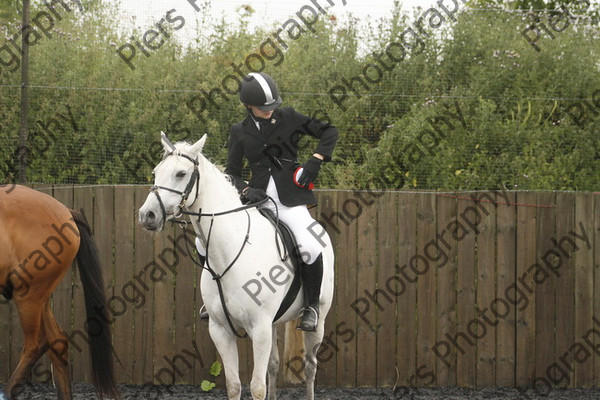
[39, 239]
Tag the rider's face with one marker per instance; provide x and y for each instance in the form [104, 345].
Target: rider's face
[261, 114]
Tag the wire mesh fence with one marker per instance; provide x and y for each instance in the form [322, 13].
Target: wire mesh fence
[449, 97]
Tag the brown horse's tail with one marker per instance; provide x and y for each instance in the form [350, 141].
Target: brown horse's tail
[90, 273]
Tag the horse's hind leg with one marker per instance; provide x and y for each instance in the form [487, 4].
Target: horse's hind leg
[226, 345]
[312, 342]
[273, 366]
[59, 356]
[30, 314]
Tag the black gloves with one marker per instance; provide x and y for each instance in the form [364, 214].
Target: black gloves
[253, 195]
[310, 170]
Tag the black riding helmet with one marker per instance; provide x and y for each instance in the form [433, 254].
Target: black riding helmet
[260, 90]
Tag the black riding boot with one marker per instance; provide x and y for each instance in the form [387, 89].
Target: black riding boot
[203, 312]
[312, 275]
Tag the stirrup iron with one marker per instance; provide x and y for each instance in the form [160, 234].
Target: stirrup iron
[301, 326]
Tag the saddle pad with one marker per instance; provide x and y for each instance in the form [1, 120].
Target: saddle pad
[293, 254]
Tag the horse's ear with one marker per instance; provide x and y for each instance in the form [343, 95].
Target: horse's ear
[197, 147]
[167, 145]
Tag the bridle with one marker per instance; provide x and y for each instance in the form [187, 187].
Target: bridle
[185, 194]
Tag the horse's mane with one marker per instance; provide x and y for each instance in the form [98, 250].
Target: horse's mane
[217, 170]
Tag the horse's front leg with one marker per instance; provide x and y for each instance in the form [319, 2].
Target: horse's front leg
[273, 366]
[261, 348]
[226, 344]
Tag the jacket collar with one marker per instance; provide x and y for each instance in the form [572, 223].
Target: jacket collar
[250, 126]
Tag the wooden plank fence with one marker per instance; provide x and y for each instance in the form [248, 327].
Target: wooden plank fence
[432, 289]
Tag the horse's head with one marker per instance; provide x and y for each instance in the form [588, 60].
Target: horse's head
[176, 180]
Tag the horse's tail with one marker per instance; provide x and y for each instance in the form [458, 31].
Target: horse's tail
[90, 273]
[294, 349]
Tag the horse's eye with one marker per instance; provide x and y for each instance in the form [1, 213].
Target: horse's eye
[180, 174]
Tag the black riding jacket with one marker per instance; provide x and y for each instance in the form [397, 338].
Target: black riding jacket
[273, 151]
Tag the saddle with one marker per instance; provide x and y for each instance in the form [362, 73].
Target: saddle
[291, 254]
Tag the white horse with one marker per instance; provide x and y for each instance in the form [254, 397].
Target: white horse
[242, 253]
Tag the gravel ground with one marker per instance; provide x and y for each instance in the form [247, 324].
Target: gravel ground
[130, 392]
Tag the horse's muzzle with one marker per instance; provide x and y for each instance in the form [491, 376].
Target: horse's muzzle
[150, 220]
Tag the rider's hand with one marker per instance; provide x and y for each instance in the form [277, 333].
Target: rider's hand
[310, 171]
[253, 195]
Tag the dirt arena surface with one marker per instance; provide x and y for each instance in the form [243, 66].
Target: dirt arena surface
[187, 392]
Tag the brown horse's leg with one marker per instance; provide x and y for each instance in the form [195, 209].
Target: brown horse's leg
[30, 314]
[59, 347]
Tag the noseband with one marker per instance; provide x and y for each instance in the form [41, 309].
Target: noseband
[194, 180]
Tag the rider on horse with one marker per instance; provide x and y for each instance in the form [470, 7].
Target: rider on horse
[269, 138]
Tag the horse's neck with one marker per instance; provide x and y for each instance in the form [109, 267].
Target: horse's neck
[216, 193]
[224, 232]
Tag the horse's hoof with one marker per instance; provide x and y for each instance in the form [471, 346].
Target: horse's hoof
[4, 396]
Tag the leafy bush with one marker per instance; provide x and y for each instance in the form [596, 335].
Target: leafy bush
[517, 103]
